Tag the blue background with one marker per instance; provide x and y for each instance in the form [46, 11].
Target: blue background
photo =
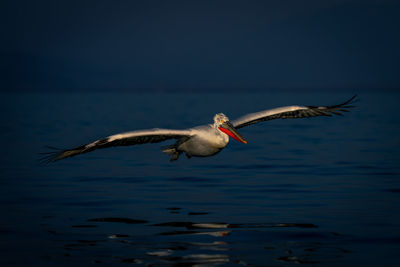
[198, 45]
[311, 191]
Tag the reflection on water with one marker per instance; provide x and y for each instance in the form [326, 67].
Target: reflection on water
[196, 243]
[321, 191]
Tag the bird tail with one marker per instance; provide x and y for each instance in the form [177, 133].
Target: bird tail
[172, 151]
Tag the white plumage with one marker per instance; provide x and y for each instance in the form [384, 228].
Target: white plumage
[201, 141]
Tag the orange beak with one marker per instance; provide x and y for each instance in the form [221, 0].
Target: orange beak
[228, 128]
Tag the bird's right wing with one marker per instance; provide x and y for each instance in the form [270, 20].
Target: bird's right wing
[121, 139]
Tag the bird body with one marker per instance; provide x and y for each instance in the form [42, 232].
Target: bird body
[201, 141]
[206, 141]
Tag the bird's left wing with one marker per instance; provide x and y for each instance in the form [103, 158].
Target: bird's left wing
[121, 139]
[293, 112]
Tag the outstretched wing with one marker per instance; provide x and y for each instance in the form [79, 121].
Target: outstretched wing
[293, 112]
[122, 139]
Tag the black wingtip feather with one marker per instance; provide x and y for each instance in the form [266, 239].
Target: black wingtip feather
[50, 156]
[352, 100]
[344, 106]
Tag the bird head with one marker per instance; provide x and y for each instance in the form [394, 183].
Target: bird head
[222, 123]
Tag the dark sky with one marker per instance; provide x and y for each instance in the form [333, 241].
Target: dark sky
[197, 45]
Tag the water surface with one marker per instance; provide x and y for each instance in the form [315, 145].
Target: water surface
[319, 191]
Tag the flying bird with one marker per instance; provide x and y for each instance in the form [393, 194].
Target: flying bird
[201, 141]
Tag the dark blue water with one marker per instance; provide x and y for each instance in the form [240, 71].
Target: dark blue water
[319, 191]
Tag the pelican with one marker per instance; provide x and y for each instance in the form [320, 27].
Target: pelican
[205, 140]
